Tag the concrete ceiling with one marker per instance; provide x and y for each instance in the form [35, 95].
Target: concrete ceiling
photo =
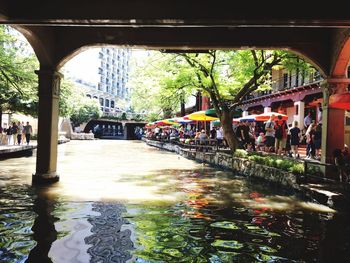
[58, 30]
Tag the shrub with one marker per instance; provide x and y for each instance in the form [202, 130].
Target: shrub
[240, 153]
[272, 161]
[297, 168]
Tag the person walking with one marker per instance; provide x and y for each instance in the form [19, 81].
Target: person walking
[295, 134]
[219, 136]
[317, 140]
[14, 132]
[270, 134]
[19, 133]
[23, 133]
[310, 133]
[9, 134]
[28, 132]
[307, 120]
[281, 132]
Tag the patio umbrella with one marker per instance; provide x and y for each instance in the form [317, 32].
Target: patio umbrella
[168, 121]
[212, 113]
[150, 125]
[218, 122]
[160, 123]
[183, 121]
[249, 118]
[200, 116]
[266, 116]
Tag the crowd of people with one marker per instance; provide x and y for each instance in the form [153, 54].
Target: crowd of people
[275, 135]
[189, 134]
[15, 134]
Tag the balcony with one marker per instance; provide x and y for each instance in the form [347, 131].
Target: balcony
[286, 84]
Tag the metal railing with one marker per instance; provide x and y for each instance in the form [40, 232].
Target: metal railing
[280, 84]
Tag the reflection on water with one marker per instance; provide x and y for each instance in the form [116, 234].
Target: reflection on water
[121, 201]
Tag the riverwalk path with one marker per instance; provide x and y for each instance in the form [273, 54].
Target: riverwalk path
[9, 151]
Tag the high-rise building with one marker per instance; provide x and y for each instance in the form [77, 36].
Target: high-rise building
[114, 71]
[103, 73]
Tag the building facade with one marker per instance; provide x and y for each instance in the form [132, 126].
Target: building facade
[109, 85]
[292, 93]
[114, 72]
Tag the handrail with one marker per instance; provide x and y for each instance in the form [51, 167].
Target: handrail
[276, 84]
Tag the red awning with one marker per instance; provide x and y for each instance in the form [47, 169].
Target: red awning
[340, 101]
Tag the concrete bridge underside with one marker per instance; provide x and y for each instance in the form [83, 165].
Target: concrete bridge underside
[58, 30]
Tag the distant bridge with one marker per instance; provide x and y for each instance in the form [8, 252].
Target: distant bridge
[115, 129]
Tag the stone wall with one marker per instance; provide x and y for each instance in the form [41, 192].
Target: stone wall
[239, 165]
[82, 136]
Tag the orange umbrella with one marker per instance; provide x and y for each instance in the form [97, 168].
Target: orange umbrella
[266, 116]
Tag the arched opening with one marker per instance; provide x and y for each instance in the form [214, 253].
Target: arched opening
[204, 212]
[18, 85]
[340, 68]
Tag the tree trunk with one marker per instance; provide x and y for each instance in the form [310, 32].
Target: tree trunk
[183, 109]
[199, 101]
[226, 120]
[0, 116]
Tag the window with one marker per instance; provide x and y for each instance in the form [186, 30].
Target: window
[88, 95]
[112, 104]
[107, 103]
[101, 101]
[285, 80]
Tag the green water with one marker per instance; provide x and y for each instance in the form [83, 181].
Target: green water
[122, 201]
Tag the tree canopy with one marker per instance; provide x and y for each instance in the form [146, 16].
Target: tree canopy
[224, 76]
[18, 82]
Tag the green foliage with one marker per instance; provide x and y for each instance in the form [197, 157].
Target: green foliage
[158, 90]
[68, 96]
[85, 109]
[18, 82]
[278, 162]
[123, 117]
[240, 153]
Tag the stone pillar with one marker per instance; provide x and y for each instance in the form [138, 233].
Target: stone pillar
[46, 161]
[333, 123]
[245, 113]
[299, 107]
[267, 109]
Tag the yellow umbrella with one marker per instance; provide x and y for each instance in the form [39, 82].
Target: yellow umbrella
[167, 122]
[200, 116]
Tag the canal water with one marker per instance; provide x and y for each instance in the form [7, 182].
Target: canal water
[123, 201]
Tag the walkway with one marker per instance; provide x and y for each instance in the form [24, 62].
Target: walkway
[8, 151]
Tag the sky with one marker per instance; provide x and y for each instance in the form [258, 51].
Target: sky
[84, 66]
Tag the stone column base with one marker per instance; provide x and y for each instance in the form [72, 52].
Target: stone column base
[45, 178]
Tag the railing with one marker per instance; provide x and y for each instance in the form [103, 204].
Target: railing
[286, 83]
[208, 145]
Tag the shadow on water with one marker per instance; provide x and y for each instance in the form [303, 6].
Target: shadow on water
[152, 206]
[110, 243]
[44, 232]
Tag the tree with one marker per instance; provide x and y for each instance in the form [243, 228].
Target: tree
[84, 110]
[228, 76]
[18, 82]
[157, 91]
